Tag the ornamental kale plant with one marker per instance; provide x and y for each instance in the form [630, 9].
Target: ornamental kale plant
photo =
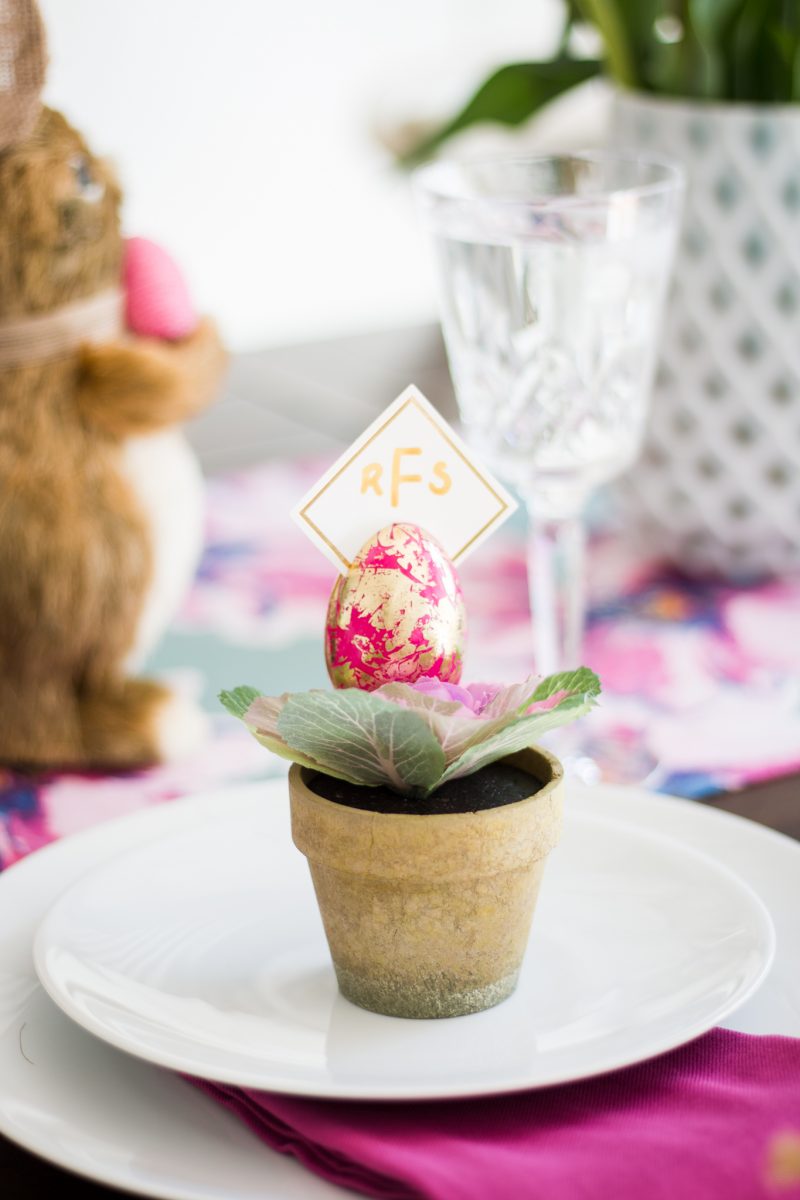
[411, 738]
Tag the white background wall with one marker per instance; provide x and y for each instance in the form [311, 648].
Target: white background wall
[244, 131]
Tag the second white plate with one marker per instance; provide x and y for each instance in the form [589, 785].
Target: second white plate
[205, 953]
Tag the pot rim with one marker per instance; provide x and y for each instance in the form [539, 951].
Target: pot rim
[299, 775]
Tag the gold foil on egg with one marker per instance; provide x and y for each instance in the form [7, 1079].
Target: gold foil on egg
[384, 622]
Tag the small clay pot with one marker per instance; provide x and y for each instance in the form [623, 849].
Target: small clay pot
[428, 915]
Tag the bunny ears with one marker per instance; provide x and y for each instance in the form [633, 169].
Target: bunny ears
[23, 57]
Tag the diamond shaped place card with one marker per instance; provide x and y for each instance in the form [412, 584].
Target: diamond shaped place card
[408, 466]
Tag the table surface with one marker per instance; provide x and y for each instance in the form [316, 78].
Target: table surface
[315, 399]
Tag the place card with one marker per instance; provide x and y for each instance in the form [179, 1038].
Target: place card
[409, 466]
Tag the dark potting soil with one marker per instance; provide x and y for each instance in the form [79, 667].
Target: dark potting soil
[490, 787]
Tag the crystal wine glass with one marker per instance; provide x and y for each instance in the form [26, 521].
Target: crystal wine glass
[552, 276]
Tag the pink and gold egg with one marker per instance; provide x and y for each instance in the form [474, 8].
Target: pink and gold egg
[397, 615]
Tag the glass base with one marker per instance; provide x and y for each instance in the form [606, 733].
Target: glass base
[620, 757]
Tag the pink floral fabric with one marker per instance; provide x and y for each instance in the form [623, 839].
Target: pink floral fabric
[701, 680]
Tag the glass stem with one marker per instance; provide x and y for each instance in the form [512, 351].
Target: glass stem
[556, 581]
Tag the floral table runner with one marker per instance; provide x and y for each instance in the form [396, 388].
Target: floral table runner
[701, 680]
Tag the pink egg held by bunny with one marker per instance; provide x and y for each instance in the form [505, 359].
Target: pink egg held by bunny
[157, 301]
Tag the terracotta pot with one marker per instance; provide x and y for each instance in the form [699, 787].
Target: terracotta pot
[429, 915]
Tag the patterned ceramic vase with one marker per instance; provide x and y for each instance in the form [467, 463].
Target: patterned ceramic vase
[717, 488]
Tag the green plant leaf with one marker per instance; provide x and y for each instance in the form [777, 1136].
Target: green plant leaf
[264, 711]
[706, 63]
[356, 735]
[456, 733]
[751, 61]
[572, 17]
[509, 97]
[580, 682]
[523, 733]
[461, 733]
[405, 739]
[259, 714]
[783, 40]
[606, 16]
[279, 747]
[239, 700]
[741, 50]
[316, 749]
[452, 728]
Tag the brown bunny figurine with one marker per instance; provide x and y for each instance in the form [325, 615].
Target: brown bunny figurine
[100, 501]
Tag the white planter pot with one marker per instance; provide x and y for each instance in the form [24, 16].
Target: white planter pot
[717, 487]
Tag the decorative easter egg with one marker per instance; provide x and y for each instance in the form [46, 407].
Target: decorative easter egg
[397, 615]
[157, 301]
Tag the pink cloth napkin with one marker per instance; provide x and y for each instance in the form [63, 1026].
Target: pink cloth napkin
[710, 1121]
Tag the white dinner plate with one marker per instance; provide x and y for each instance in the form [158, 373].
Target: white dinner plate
[89, 1108]
[205, 953]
